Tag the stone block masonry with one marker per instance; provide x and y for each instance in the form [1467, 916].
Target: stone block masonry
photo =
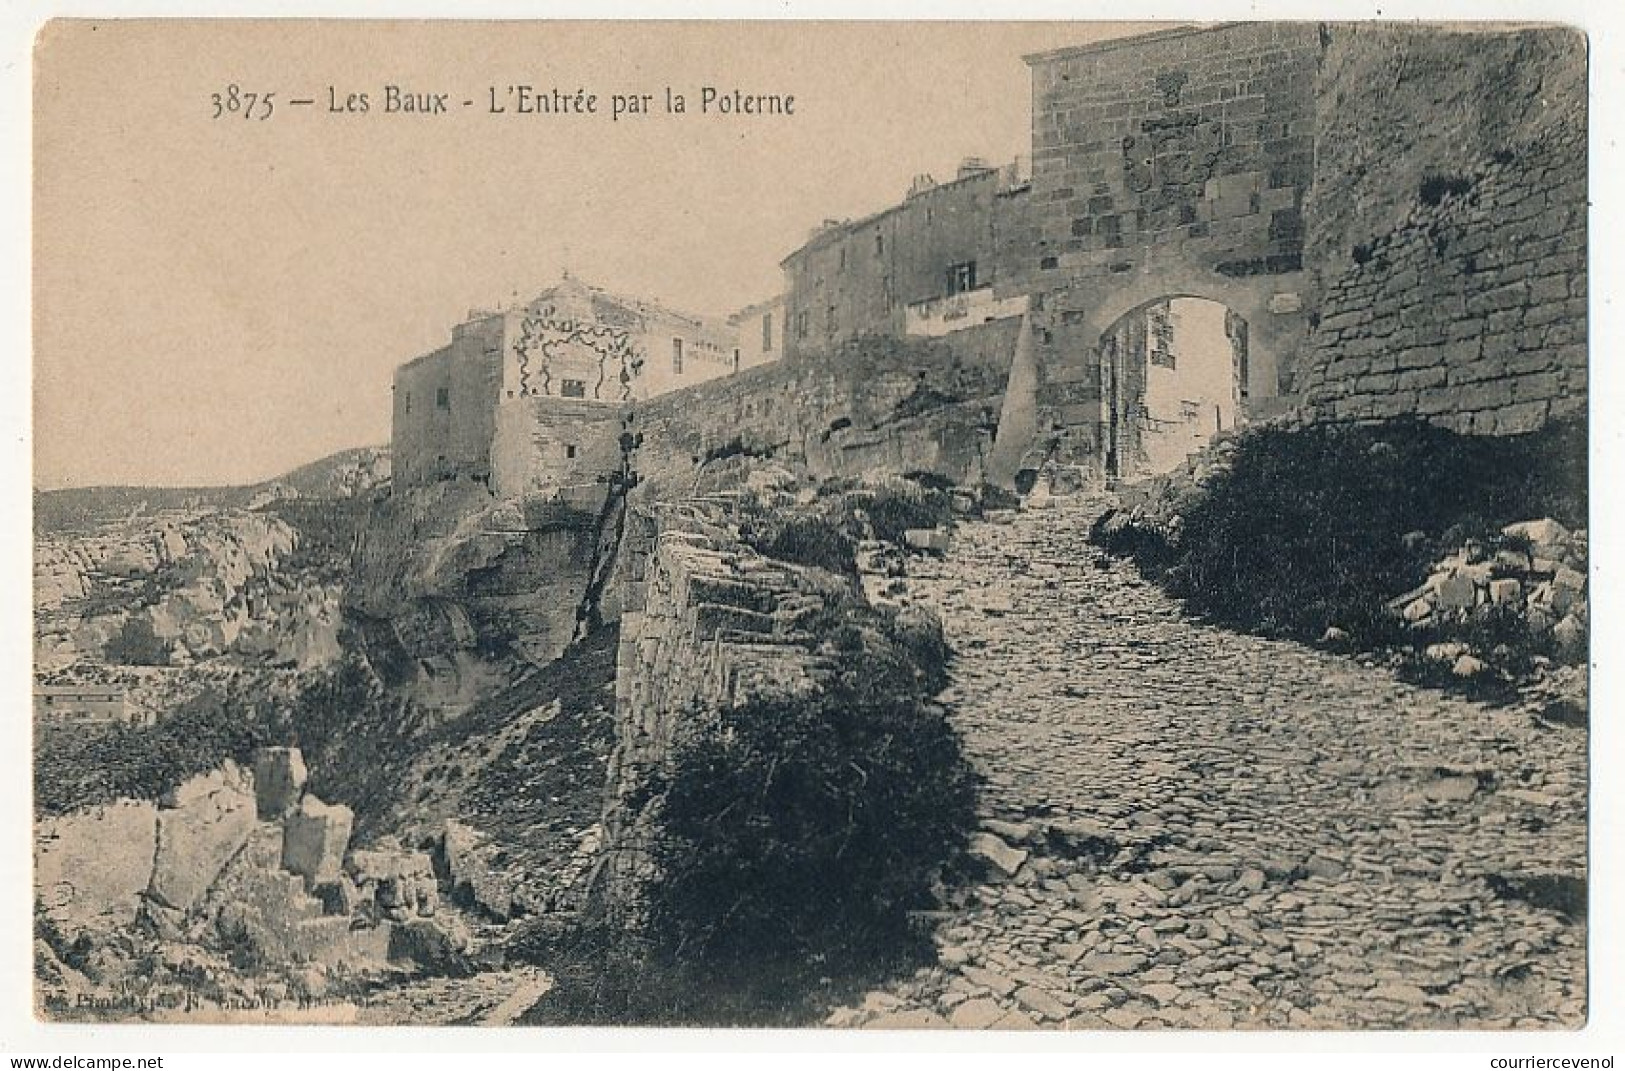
[708, 622]
[1471, 311]
[1173, 164]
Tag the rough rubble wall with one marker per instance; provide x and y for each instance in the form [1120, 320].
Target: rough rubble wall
[707, 622]
[1166, 166]
[879, 405]
[1456, 262]
[1395, 105]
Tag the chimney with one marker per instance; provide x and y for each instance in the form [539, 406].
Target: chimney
[972, 165]
[922, 182]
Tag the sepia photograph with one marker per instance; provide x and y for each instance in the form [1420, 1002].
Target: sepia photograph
[837, 526]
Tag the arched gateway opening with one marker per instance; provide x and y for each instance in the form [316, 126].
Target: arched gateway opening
[1173, 374]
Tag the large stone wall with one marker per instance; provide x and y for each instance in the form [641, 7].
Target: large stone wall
[1170, 165]
[880, 405]
[1451, 228]
[545, 443]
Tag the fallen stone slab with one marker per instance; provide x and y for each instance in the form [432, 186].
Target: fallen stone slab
[978, 1013]
[91, 868]
[212, 819]
[993, 850]
[314, 840]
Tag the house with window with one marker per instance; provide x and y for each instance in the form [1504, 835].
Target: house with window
[489, 404]
[760, 328]
[928, 265]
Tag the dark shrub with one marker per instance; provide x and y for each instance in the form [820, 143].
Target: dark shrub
[137, 644]
[1307, 529]
[807, 540]
[895, 507]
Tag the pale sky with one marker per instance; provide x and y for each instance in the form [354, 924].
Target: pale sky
[222, 300]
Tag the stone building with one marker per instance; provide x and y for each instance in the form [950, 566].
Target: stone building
[85, 704]
[760, 330]
[529, 396]
[1166, 166]
[923, 266]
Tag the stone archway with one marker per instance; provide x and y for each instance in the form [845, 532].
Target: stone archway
[1173, 372]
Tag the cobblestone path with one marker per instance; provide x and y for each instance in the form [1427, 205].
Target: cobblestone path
[1225, 831]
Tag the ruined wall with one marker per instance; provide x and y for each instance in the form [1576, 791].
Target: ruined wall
[1450, 223]
[445, 407]
[857, 279]
[708, 622]
[1170, 165]
[875, 406]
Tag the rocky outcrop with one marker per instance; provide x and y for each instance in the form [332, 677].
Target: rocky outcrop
[707, 621]
[201, 825]
[90, 869]
[449, 575]
[196, 902]
[177, 589]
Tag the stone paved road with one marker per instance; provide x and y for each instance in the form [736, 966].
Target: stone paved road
[1226, 831]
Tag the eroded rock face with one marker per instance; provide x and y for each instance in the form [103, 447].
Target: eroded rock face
[314, 840]
[201, 825]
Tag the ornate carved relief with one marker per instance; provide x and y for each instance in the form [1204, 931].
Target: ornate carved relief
[545, 338]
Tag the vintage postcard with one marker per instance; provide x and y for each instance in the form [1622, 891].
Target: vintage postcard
[982, 526]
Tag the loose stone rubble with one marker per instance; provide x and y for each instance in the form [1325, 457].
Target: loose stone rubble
[1212, 830]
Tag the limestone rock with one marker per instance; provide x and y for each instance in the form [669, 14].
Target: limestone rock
[211, 819]
[279, 781]
[1542, 533]
[991, 849]
[978, 1013]
[1456, 592]
[439, 946]
[934, 540]
[315, 838]
[90, 869]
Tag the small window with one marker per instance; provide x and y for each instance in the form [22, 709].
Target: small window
[677, 356]
[736, 358]
[406, 403]
[442, 398]
[880, 243]
[570, 450]
[573, 388]
[962, 277]
[767, 332]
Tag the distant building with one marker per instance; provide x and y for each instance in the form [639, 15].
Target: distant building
[506, 400]
[760, 332]
[925, 266]
[85, 704]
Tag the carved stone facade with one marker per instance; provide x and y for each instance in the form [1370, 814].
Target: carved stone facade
[528, 397]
